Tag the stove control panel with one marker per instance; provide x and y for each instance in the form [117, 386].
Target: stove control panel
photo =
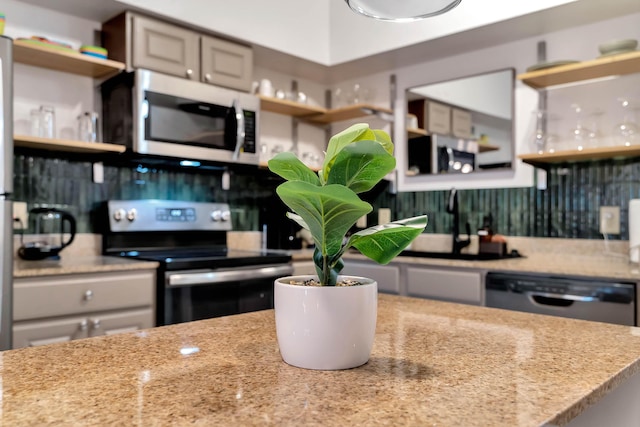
[167, 215]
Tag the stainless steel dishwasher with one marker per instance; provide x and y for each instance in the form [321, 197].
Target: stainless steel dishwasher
[579, 298]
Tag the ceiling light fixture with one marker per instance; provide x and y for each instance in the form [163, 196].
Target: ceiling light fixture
[401, 10]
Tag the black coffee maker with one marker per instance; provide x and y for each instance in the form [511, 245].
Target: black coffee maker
[50, 229]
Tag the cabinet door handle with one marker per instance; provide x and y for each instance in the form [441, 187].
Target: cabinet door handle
[207, 77]
[189, 72]
[95, 324]
[83, 325]
[88, 295]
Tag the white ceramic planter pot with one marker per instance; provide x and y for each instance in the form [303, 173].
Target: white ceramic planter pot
[325, 327]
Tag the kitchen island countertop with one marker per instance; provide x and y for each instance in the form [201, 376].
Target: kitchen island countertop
[433, 363]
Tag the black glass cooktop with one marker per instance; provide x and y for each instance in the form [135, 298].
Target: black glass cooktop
[188, 259]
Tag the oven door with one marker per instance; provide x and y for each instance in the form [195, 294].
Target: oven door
[202, 294]
[191, 120]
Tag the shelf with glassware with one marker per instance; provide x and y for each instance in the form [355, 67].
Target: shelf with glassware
[605, 66]
[587, 154]
[602, 67]
[68, 61]
[67, 145]
[319, 115]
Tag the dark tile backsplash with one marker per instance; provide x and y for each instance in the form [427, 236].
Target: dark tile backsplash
[568, 208]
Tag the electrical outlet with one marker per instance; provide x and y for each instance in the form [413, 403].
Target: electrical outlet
[20, 212]
[610, 219]
[384, 216]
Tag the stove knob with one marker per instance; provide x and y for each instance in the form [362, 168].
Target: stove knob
[132, 214]
[216, 215]
[226, 215]
[119, 214]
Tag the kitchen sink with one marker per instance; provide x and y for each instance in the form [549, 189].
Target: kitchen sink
[466, 257]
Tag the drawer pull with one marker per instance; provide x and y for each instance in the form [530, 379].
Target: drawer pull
[88, 295]
[83, 325]
[96, 324]
[189, 73]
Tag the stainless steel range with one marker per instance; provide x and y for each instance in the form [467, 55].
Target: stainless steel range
[198, 277]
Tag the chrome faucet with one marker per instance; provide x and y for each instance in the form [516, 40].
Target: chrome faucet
[452, 208]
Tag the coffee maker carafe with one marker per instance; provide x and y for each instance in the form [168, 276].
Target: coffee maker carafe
[50, 229]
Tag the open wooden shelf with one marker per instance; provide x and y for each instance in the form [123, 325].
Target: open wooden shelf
[546, 159]
[483, 148]
[621, 64]
[68, 62]
[289, 108]
[416, 132]
[265, 165]
[66, 145]
[347, 113]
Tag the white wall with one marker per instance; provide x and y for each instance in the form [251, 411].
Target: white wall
[353, 36]
[298, 27]
[578, 43]
[69, 94]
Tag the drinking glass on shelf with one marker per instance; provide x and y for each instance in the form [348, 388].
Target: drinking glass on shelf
[594, 122]
[579, 138]
[34, 122]
[88, 127]
[626, 132]
[47, 121]
[545, 140]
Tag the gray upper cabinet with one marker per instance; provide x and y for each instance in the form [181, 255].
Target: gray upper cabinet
[226, 64]
[143, 42]
[166, 48]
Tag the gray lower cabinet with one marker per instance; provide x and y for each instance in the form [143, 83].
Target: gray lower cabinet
[387, 276]
[445, 284]
[145, 42]
[51, 309]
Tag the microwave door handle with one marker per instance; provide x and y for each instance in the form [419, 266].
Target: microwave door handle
[240, 134]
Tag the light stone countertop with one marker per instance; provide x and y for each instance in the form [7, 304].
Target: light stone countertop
[573, 257]
[433, 363]
[73, 264]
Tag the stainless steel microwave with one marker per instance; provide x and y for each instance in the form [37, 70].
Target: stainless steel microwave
[156, 114]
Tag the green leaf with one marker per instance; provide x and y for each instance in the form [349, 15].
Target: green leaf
[289, 167]
[382, 243]
[335, 267]
[329, 211]
[360, 166]
[354, 133]
[384, 139]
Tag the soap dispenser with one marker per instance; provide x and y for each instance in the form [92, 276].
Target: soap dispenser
[485, 232]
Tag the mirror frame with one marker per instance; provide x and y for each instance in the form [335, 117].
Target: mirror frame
[522, 99]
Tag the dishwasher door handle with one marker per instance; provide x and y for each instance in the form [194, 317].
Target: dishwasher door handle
[565, 297]
[226, 276]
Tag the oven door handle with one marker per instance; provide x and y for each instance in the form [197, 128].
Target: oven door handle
[226, 276]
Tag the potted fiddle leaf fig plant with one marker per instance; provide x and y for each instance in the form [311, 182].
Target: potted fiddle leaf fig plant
[327, 321]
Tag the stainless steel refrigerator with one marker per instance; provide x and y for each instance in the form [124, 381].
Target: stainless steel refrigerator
[6, 190]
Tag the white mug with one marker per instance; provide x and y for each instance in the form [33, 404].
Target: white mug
[266, 88]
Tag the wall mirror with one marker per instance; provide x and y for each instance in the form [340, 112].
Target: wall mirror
[461, 126]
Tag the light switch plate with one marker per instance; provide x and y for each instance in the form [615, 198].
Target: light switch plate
[384, 216]
[20, 212]
[610, 219]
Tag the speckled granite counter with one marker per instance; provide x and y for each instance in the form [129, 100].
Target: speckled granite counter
[77, 264]
[433, 363]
